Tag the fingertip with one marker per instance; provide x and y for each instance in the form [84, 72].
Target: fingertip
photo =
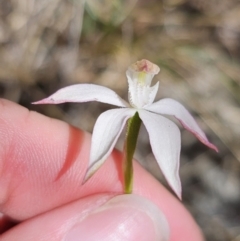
[125, 217]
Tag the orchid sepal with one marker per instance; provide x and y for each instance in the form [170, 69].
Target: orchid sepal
[109, 124]
[84, 93]
[172, 107]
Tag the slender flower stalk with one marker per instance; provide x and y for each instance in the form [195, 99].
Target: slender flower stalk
[164, 135]
[134, 124]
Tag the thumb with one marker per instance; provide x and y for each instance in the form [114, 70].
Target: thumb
[124, 217]
[98, 217]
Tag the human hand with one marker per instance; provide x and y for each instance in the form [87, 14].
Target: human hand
[42, 164]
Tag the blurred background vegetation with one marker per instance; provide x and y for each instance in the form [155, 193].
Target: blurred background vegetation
[49, 44]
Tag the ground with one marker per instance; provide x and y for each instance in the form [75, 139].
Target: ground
[45, 45]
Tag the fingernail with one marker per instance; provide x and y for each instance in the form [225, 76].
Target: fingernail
[124, 217]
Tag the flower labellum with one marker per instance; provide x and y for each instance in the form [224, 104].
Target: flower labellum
[164, 134]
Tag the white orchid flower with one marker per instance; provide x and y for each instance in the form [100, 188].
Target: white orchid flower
[164, 134]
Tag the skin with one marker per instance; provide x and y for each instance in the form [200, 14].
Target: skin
[42, 164]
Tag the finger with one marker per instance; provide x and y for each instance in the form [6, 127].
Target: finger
[124, 217]
[43, 162]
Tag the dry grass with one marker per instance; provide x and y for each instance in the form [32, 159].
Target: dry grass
[47, 44]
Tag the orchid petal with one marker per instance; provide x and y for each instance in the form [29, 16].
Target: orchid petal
[152, 93]
[106, 131]
[84, 93]
[165, 141]
[172, 107]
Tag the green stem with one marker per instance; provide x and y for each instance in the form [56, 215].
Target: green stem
[133, 128]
